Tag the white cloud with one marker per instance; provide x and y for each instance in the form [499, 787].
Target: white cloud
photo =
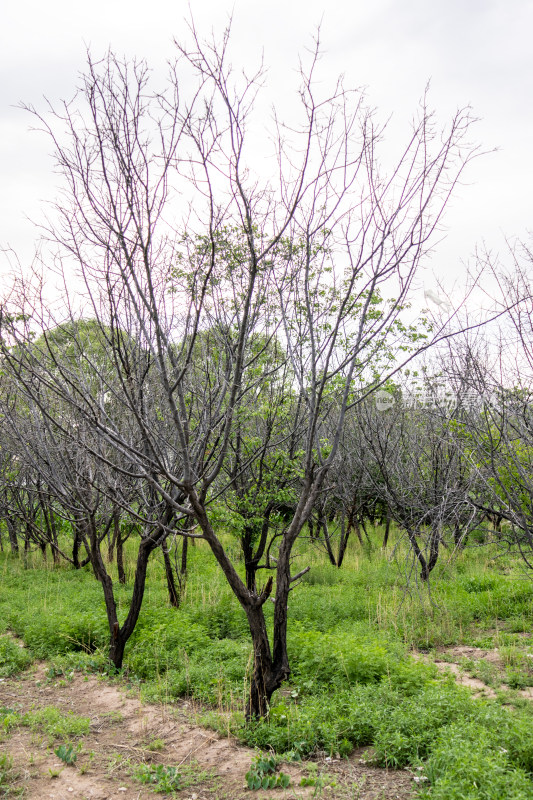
[477, 52]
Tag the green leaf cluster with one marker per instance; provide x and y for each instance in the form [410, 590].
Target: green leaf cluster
[263, 774]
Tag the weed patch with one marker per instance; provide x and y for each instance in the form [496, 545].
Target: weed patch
[9, 718]
[263, 774]
[169, 780]
[8, 778]
[67, 753]
[465, 762]
[13, 658]
[55, 724]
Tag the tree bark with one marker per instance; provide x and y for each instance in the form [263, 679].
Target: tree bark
[12, 533]
[424, 572]
[120, 559]
[323, 523]
[387, 530]
[120, 635]
[184, 548]
[263, 683]
[343, 542]
[173, 594]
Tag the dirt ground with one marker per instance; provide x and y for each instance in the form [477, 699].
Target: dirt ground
[452, 659]
[124, 733]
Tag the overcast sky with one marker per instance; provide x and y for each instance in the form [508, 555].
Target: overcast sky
[475, 52]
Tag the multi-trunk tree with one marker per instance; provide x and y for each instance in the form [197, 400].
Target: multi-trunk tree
[242, 281]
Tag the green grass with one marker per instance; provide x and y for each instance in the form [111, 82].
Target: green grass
[13, 658]
[466, 761]
[48, 721]
[9, 719]
[169, 780]
[353, 680]
[9, 777]
[56, 724]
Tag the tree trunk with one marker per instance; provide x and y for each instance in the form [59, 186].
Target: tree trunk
[113, 540]
[323, 523]
[184, 548]
[387, 529]
[368, 539]
[250, 563]
[424, 572]
[262, 684]
[120, 560]
[357, 530]
[173, 594]
[251, 558]
[343, 543]
[76, 548]
[54, 543]
[270, 671]
[434, 547]
[120, 635]
[353, 523]
[12, 533]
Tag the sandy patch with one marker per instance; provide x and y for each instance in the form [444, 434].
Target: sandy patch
[125, 732]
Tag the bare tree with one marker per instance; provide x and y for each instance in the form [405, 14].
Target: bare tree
[59, 379]
[317, 261]
[421, 470]
[497, 370]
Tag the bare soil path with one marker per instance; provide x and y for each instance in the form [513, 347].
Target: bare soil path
[125, 733]
[459, 659]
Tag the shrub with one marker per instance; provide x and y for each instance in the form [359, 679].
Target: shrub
[13, 658]
[465, 763]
